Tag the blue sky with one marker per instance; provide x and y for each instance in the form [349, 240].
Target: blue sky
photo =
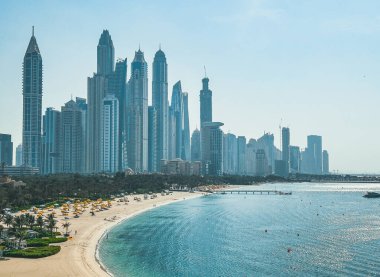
[313, 64]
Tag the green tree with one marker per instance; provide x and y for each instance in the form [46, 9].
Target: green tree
[30, 220]
[40, 222]
[18, 222]
[66, 225]
[8, 219]
[51, 224]
[20, 234]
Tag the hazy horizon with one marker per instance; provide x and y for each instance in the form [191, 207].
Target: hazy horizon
[312, 64]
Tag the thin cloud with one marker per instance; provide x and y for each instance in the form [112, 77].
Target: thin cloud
[248, 13]
[356, 25]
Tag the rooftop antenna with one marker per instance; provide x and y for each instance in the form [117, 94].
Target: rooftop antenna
[33, 31]
[139, 46]
[205, 71]
[159, 46]
[71, 97]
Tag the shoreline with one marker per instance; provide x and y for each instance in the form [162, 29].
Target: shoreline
[127, 217]
[79, 256]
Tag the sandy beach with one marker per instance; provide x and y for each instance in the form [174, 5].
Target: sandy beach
[78, 255]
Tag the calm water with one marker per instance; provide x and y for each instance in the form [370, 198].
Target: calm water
[330, 230]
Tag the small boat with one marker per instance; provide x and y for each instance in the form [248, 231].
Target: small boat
[284, 193]
[370, 194]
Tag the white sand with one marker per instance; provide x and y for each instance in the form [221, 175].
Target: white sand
[77, 256]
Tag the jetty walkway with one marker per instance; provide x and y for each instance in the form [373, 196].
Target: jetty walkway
[265, 192]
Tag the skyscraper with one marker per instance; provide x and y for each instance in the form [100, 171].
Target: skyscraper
[82, 105]
[32, 104]
[19, 155]
[261, 163]
[96, 91]
[72, 138]
[137, 112]
[212, 148]
[230, 154]
[105, 54]
[152, 141]
[177, 110]
[118, 87]
[196, 146]
[206, 102]
[251, 157]
[241, 155]
[326, 166]
[266, 142]
[185, 153]
[294, 159]
[314, 146]
[110, 134]
[161, 104]
[205, 97]
[285, 148]
[51, 142]
[6, 149]
[97, 88]
[172, 134]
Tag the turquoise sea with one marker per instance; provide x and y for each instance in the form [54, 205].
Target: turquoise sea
[319, 230]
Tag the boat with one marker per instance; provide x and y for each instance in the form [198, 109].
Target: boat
[370, 194]
[285, 193]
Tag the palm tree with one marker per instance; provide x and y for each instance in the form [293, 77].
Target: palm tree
[40, 222]
[8, 219]
[18, 222]
[20, 234]
[30, 220]
[51, 224]
[66, 225]
[2, 214]
[1, 230]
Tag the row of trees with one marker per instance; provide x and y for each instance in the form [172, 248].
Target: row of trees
[18, 225]
[41, 189]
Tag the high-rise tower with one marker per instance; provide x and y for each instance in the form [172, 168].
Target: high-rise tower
[72, 138]
[118, 87]
[6, 149]
[185, 154]
[325, 159]
[51, 142]
[196, 145]
[212, 148]
[106, 54]
[314, 147]
[241, 155]
[32, 104]
[206, 102]
[205, 98]
[19, 160]
[161, 104]
[137, 114]
[152, 141]
[97, 89]
[285, 148]
[177, 110]
[110, 134]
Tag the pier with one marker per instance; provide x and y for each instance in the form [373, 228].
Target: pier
[265, 192]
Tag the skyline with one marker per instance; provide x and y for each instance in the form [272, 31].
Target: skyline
[59, 87]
